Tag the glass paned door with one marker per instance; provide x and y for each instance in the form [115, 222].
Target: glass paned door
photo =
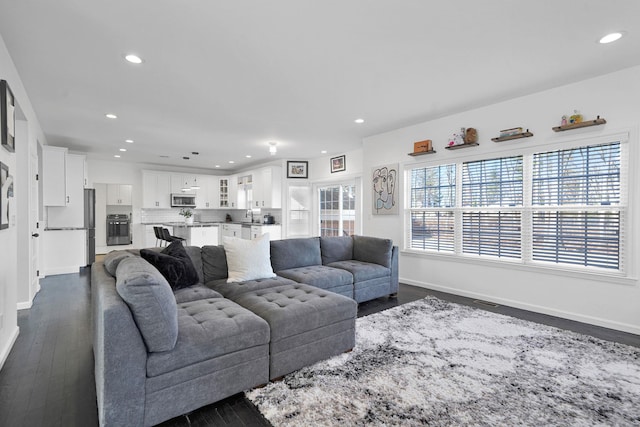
[337, 205]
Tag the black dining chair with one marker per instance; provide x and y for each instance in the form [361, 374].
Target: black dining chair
[169, 238]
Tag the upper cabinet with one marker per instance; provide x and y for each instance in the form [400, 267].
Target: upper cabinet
[156, 190]
[71, 213]
[208, 195]
[233, 192]
[119, 194]
[267, 188]
[54, 176]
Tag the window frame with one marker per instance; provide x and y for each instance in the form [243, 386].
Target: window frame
[626, 272]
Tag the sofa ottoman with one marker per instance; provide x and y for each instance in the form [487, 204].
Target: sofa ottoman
[307, 324]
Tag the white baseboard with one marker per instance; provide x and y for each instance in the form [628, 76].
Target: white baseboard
[605, 323]
[7, 348]
[61, 270]
[25, 305]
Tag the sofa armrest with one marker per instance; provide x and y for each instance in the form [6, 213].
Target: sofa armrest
[119, 353]
[395, 275]
[372, 249]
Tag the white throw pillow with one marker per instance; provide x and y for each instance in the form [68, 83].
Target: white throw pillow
[248, 259]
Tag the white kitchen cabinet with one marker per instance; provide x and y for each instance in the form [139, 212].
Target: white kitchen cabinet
[182, 180]
[208, 196]
[233, 192]
[54, 176]
[223, 192]
[69, 260]
[267, 188]
[201, 236]
[275, 231]
[246, 232]
[119, 194]
[231, 230]
[71, 214]
[156, 190]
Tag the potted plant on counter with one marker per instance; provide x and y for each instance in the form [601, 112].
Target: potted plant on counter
[188, 215]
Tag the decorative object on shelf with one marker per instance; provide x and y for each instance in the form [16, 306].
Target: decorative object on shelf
[338, 164]
[507, 134]
[384, 180]
[470, 136]
[6, 186]
[576, 117]
[466, 138]
[582, 124]
[457, 138]
[8, 117]
[297, 169]
[564, 121]
[422, 146]
[187, 214]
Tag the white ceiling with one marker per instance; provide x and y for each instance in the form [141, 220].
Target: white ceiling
[224, 78]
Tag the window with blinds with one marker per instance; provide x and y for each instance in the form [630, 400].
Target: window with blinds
[576, 216]
[433, 197]
[489, 186]
[562, 207]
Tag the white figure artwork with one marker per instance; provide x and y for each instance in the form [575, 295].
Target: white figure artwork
[384, 181]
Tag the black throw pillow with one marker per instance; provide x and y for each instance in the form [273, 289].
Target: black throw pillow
[174, 264]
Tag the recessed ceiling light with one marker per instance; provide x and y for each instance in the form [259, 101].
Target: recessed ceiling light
[123, 149]
[217, 166]
[611, 37]
[231, 161]
[134, 59]
[110, 116]
[323, 152]
[130, 141]
[117, 156]
[359, 121]
[248, 156]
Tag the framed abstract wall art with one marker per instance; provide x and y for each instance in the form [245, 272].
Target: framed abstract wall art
[384, 183]
[8, 117]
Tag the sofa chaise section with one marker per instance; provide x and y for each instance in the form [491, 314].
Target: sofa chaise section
[220, 349]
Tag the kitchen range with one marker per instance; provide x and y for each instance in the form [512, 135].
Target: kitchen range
[118, 229]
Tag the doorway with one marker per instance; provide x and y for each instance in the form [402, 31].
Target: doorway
[338, 209]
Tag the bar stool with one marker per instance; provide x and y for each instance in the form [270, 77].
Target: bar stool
[169, 238]
[159, 238]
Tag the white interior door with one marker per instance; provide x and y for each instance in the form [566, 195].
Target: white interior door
[34, 215]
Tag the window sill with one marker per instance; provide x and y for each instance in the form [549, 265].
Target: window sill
[617, 278]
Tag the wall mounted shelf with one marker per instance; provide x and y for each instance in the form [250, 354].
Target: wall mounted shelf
[526, 134]
[422, 153]
[456, 147]
[585, 124]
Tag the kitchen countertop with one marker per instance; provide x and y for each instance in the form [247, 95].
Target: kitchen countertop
[208, 224]
[63, 228]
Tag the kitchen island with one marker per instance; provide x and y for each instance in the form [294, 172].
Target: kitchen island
[196, 234]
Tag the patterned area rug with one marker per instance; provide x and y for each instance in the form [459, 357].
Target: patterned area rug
[433, 362]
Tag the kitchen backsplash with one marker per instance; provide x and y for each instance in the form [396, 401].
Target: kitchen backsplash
[153, 216]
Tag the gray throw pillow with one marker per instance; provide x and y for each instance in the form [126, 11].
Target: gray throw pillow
[151, 302]
[113, 258]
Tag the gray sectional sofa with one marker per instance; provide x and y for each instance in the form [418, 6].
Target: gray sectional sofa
[160, 353]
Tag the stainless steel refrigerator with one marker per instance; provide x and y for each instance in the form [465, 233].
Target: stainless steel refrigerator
[90, 223]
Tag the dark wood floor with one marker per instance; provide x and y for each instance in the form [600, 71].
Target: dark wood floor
[48, 379]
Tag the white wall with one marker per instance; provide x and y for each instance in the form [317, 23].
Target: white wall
[592, 299]
[14, 259]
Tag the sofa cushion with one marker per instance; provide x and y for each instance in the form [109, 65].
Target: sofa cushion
[248, 259]
[232, 290]
[320, 276]
[337, 248]
[207, 329]
[373, 250]
[151, 302]
[195, 254]
[214, 263]
[194, 293]
[174, 264]
[293, 253]
[362, 271]
[112, 259]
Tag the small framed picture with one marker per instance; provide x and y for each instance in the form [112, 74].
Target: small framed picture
[297, 169]
[8, 117]
[338, 164]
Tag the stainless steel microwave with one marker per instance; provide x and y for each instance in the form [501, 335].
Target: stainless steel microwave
[183, 200]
